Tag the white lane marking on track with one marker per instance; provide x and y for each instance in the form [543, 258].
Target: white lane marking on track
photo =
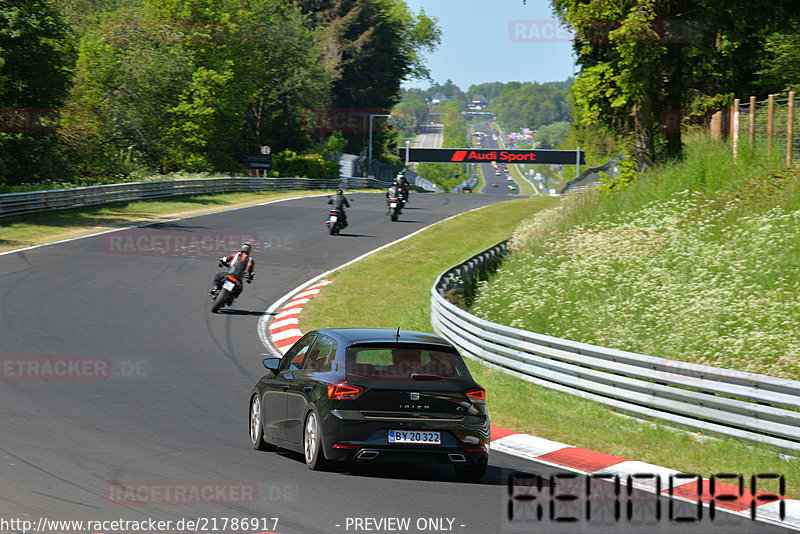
[283, 322]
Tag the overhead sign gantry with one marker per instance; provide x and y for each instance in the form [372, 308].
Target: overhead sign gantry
[485, 155]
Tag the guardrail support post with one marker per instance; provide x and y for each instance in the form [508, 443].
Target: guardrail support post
[770, 123]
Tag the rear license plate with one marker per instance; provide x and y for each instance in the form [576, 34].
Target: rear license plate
[414, 436]
[228, 285]
[334, 218]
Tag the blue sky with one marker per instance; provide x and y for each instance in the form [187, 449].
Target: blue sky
[496, 40]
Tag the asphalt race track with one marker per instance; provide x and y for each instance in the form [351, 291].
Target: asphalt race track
[123, 398]
[489, 171]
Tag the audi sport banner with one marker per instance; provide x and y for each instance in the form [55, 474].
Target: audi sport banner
[487, 155]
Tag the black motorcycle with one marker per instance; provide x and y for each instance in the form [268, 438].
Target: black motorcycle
[225, 294]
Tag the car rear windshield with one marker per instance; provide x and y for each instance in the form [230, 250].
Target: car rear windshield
[404, 363]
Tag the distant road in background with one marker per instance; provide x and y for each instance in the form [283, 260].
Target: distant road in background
[430, 137]
[503, 180]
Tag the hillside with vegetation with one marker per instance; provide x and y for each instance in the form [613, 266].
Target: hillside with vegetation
[693, 261]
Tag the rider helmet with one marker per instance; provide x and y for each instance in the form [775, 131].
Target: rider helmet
[246, 248]
[339, 192]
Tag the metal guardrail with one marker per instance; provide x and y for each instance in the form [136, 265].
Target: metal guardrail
[590, 178]
[720, 401]
[13, 204]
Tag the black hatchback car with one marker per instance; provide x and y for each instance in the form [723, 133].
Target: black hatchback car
[372, 395]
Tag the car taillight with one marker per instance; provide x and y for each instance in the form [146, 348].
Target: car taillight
[343, 391]
[477, 395]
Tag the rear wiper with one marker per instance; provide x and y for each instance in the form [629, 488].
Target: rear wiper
[421, 376]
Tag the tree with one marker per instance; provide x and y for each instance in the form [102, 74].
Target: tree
[642, 59]
[490, 90]
[196, 84]
[532, 105]
[552, 135]
[34, 77]
[370, 46]
[780, 63]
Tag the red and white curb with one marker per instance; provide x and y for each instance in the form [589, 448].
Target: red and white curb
[283, 330]
[731, 497]
[283, 333]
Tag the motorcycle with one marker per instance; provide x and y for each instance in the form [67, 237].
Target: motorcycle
[333, 222]
[225, 295]
[394, 208]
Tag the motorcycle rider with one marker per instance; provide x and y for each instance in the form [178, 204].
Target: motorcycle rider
[240, 265]
[395, 192]
[403, 183]
[339, 203]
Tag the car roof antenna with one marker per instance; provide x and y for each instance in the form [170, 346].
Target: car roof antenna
[397, 335]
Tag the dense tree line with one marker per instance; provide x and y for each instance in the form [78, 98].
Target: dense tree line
[532, 105]
[489, 90]
[99, 88]
[643, 60]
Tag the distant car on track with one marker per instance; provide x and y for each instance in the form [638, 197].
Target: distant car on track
[512, 187]
[372, 395]
[495, 184]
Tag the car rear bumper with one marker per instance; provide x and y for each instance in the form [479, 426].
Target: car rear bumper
[364, 440]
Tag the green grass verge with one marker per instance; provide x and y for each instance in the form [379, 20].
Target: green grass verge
[46, 227]
[525, 188]
[392, 288]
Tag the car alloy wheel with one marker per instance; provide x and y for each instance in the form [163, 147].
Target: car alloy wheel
[312, 442]
[256, 433]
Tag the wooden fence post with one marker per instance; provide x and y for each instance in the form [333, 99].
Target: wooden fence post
[735, 127]
[789, 128]
[752, 129]
[770, 123]
[716, 126]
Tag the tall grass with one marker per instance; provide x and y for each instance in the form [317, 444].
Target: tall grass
[697, 261]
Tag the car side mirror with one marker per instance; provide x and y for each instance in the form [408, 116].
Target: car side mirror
[272, 364]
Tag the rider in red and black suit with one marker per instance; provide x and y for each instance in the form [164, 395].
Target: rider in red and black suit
[240, 265]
